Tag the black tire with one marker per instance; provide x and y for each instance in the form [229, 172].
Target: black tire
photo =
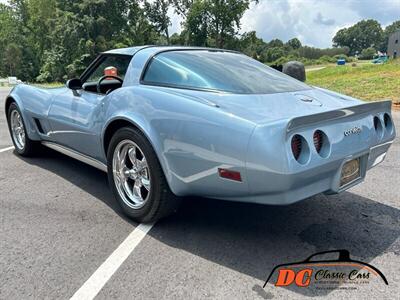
[30, 147]
[161, 202]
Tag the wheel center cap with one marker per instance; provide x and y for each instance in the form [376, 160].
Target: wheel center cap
[133, 174]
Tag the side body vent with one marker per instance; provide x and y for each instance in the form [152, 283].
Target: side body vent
[39, 125]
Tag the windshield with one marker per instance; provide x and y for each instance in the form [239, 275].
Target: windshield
[217, 70]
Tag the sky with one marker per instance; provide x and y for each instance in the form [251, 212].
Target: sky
[313, 22]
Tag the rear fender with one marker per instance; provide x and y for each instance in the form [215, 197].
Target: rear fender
[267, 158]
[191, 139]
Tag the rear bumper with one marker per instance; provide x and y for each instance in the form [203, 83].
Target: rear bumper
[284, 189]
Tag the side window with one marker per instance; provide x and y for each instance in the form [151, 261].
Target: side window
[111, 65]
[218, 71]
[163, 70]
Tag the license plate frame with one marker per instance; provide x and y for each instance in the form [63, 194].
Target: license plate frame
[351, 171]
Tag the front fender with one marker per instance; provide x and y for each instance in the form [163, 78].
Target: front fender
[17, 94]
[34, 102]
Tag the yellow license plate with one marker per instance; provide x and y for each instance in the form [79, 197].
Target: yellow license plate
[350, 171]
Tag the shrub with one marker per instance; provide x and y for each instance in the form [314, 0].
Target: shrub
[368, 53]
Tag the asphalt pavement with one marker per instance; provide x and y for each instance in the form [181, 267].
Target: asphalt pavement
[59, 223]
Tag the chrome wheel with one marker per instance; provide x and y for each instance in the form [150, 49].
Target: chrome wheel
[131, 174]
[17, 129]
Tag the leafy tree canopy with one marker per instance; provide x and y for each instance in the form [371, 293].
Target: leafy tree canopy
[53, 40]
[362, 35]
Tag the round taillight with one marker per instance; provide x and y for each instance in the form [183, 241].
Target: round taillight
[387, 120]
[296, 146]
[318, 140]
[377, 123]
[378, 127]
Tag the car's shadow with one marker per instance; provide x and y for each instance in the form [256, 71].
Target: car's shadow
[252, 239]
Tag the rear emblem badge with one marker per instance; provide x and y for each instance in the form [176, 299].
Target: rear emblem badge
[309, 100]
[354, 130]
[306, 99]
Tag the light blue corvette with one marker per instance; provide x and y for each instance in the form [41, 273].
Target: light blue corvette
[166, 122]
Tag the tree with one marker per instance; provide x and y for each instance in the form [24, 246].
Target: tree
[176, 39]
[16, 57]
[82, 30]
[197, 24]
[7, 23]
[12, 59]
[138, 30]
[294, 43]
[225, 16]
[40, 16]
[157, 13]
[218, 19]
[362, 35]
[316, 53]
[368, 53]
[56, 39]
[251, 45]
[52, 40]
[182, 7]
[274, 53]
[275, 43]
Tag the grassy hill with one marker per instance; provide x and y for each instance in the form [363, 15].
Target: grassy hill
[365, 81]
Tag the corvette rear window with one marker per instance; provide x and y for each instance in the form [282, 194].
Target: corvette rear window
[216, 70]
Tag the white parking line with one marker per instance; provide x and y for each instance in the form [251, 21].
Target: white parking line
[6, 149]
[99, 278]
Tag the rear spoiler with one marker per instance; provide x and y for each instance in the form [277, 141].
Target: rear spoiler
[299, 122]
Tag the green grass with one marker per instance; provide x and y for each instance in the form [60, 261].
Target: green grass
[49, 85]
[365, 81]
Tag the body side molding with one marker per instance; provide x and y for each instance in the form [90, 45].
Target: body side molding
[76, 155]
